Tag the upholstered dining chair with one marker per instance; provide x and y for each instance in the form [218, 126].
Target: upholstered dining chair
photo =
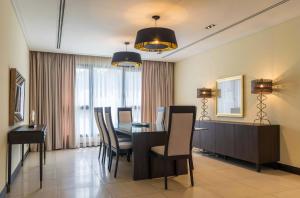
[124, 115]
[178, 143]
[105, 140]
[116, 147]
[160, 115]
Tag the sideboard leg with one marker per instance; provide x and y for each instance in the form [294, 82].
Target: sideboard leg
[258, 167]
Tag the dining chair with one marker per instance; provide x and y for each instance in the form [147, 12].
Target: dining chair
[98, 111]
[116, 147]
[124, 115]
[160, 115]
[178, 143]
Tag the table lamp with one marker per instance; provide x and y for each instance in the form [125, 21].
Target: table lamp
[204, 93]
[32, 119]
[261, 87]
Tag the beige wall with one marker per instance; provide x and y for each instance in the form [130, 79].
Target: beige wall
[273, 53]
[13, 53]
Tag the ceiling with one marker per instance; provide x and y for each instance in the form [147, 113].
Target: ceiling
[100, 27]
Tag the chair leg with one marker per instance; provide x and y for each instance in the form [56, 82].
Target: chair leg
[117, 161]
[100, 147]
[110, 160]
[104, 154]
[192, 163]
[104, 146]
[191, 170]
[149, 167]
[166, 174]
[108, 155]
[175, 167]
[128, 156]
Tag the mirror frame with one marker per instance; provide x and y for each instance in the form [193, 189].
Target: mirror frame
[17, 81]
[241, 114]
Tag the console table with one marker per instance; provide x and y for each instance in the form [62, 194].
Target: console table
[25, 135]
[258, 144]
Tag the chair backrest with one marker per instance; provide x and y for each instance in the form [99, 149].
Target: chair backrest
[98, 112]
[124, 115]
[180, 130]
[110, 128]
[160, 115]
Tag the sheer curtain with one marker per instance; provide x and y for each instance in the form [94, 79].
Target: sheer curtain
[100, 85]
[132, 91]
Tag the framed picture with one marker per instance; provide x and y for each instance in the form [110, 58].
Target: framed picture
[16, 97]
[230, 96]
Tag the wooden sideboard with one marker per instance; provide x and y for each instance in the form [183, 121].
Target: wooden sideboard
[250, 142]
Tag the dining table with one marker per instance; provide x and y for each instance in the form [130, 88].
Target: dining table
[144, 137]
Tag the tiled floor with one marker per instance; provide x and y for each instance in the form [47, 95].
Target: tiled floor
[77, 173]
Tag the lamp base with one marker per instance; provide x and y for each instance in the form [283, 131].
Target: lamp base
[204, 113]
[261, 121]
[204, 118]
[31, 125]
[261, 114]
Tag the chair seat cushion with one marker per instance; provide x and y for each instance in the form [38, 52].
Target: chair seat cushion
[125, 145]
[160, 150]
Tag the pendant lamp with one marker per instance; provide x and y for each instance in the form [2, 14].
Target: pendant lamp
[155, 39]
[126, 59]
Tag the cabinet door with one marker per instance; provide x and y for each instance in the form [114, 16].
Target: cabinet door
[224, 139]
[196, 136]
[207, 137]
[245, 141]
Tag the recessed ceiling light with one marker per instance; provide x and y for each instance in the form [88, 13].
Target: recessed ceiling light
[210, 26]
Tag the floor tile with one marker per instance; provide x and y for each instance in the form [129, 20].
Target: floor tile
[78, 173]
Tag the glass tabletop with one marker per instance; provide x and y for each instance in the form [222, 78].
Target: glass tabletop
[128, 128]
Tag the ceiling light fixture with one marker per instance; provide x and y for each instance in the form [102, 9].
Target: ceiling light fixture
[155, 39]
[126, 59]
[210, 26]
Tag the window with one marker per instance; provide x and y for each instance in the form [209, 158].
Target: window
[98, 86]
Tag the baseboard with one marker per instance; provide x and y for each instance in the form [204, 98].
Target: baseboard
[288, 168]
[3, 192]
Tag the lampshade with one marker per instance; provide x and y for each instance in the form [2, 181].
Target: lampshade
[261, 86]
[204, 93]
[155, 39]
[126, 59]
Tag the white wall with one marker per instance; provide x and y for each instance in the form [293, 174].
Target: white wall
[13, 53]
[274, 54]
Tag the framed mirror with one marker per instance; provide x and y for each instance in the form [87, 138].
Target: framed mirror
[16, 97]
[230, 97]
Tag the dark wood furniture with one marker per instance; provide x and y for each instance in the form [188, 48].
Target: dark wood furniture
[25, 135]
[178, 144]
[143, 138]
[258, 144]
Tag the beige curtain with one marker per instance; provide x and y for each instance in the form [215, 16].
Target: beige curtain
[157, 88]
[52, 84]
